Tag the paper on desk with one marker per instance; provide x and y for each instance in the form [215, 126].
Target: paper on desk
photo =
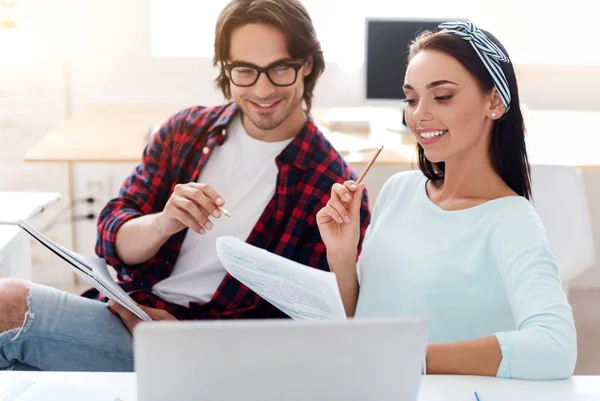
[55, 391]
[301, 292]
[10, 391]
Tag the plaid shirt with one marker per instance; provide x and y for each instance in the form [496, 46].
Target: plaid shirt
[177, 153]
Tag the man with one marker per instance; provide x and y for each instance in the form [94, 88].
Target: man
[260, 159]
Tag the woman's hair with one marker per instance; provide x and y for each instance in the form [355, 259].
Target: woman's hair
[507, 149]
[288, 16]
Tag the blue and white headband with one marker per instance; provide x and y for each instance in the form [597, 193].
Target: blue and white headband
[489, 53]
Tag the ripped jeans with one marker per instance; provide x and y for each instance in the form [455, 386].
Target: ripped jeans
[65, 332]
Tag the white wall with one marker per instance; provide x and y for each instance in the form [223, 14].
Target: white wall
[107, 43]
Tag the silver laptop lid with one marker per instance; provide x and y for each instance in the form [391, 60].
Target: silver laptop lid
[276, 360]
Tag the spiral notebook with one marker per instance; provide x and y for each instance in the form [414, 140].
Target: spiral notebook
[92, 270]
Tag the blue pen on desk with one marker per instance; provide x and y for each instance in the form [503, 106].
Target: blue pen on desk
[477, 396]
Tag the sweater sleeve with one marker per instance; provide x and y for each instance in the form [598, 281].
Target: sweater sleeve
[544, 345]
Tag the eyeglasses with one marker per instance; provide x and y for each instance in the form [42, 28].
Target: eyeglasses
[280, 74]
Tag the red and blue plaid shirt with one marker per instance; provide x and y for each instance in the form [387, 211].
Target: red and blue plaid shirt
[177, 153]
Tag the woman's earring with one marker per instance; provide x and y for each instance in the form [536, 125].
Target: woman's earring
[493, 114]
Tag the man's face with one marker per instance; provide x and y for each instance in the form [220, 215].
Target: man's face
[264, 104]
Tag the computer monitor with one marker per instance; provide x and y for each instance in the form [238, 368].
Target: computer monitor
[386, 48]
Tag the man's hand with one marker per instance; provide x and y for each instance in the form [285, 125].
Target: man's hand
[130, 320]
[190, 205]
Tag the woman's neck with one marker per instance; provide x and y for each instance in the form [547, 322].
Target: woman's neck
[472, 180]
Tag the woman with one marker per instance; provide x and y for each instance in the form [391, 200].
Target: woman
[459, 243]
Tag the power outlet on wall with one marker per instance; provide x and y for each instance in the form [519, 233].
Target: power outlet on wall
[100, 182]
[96, 187]
[96, 195]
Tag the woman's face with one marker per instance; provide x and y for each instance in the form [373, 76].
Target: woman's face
[447, 111]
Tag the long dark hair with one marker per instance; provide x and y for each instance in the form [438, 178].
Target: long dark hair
[507, 148]
[290, 17]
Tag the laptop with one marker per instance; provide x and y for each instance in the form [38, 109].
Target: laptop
[275, 360]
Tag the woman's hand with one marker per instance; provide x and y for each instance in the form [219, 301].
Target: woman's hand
[339, 221]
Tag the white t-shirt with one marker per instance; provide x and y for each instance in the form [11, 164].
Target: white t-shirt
[243, 171]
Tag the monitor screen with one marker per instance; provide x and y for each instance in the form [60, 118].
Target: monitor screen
[386, 49]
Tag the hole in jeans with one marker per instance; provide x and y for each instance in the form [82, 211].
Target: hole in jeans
[27, 319]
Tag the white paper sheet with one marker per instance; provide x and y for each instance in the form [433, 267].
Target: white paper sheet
[301, 292]
[53, 391]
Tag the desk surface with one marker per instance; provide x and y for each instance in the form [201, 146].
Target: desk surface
[17, 205]
[433, 388]
[118, 134]
[21, 206]
[101, 133]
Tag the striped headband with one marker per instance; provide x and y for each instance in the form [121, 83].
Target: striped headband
[489, 53]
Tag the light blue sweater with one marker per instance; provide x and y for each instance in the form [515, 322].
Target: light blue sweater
[472, 273]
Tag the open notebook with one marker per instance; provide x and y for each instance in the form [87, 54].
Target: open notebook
[92, 270]
[25, 390]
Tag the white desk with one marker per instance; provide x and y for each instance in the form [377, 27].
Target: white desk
[15, 245]
[433, 388]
